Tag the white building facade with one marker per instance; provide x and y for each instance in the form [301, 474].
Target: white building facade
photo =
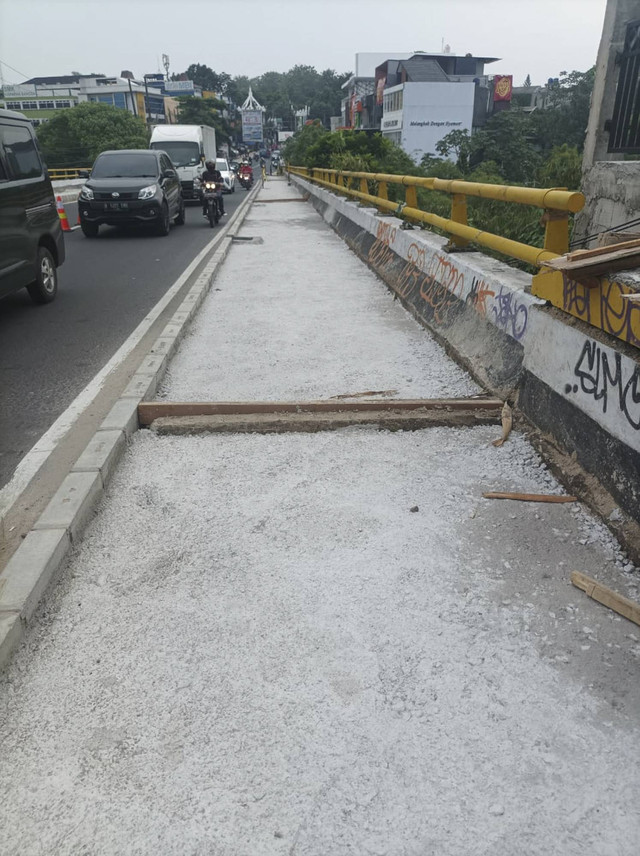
[416, 116]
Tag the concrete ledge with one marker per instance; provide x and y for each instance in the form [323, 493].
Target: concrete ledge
[148, 411]
[102, 454]
[72, 504]
[269, 423]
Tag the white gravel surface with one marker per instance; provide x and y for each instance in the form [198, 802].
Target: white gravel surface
[259, 650]
[299, 316]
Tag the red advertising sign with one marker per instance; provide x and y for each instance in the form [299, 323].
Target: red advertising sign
[502, 87]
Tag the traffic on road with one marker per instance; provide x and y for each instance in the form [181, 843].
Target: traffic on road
[106, 287]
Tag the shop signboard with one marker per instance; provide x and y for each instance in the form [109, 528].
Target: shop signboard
[252, 126]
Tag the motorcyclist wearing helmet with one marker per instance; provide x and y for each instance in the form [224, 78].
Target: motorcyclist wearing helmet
[212, 174]
[245, 170]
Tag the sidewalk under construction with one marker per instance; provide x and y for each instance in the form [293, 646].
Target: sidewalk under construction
[297, 626]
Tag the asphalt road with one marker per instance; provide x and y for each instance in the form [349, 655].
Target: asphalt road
[48, 354]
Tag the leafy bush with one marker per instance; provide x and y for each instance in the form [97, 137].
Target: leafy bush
[75, 137]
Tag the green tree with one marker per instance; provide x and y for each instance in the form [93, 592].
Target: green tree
[506, 140]
[237, 89]
[204, 111]
[565, 118]
[457, 143]
[563, 168]
[295, 149]
[75, 137]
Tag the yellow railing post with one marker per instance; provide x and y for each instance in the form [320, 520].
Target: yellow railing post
[383, 191]
[364, 186]
[458, 215]
[411, 196]
[556, 231]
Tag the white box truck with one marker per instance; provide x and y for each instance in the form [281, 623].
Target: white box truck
[188, 146]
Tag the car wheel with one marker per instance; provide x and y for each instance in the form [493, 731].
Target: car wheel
[89, 230]
[179, 220]
[164, 225]
[45, 287]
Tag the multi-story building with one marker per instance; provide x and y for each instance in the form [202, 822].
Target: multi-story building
[144, 99]
[358, 101]
[421, 99]
[40, 97]
[416, 98]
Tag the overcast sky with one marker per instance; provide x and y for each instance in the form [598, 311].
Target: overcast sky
[536, 37]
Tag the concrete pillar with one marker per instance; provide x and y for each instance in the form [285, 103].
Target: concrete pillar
[610, 184]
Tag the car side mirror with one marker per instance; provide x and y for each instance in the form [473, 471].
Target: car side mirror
[84, 173]
[169, 173]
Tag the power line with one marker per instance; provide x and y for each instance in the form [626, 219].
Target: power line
[26, 76]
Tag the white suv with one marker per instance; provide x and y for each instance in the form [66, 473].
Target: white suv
[228, 176]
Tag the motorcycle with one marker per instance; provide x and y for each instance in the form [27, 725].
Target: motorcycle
[245, 179]
[211, 193]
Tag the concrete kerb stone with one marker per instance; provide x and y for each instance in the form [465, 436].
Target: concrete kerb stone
[72, 504]
[102, 454]
[172, 331]
[141, 386]
[123, 416]
[11, 629]
[153, 364]
[163, 347]
[32, 567]
[30, 571]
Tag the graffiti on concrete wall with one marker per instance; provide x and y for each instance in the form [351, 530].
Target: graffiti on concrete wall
[478, 296]
[510, 314]
[601, 374]
[439, 281]
[380, 252]
[604, 306]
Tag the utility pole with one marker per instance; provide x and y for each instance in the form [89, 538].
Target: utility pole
[147, 107]
[133, 100]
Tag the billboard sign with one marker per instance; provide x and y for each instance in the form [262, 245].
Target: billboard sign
[502, 87]
[252, 126]
[284, 135]
[181, 86]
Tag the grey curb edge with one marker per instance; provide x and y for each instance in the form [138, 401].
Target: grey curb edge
[36, 562]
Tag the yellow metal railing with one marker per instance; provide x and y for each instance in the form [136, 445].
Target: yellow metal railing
[70, 172]
[557, 203]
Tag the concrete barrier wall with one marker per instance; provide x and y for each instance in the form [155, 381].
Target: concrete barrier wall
[573, 382]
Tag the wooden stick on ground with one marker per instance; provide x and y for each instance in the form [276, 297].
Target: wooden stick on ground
[531, 497]
[607, 597]
[367, 393]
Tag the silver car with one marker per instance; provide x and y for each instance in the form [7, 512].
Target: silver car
[228, 175]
